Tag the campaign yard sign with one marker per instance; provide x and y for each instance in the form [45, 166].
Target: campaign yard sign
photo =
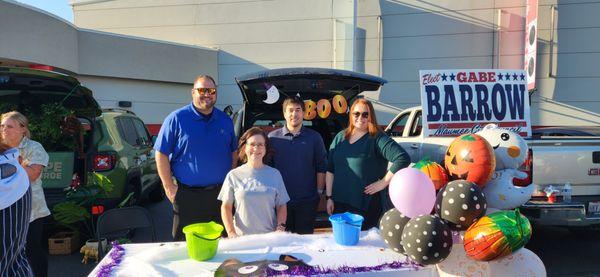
[461, 101]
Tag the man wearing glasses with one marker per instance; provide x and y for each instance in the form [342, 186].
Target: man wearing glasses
[301, 158]
[195, 148]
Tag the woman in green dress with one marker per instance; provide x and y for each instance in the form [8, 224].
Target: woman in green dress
[358, 176]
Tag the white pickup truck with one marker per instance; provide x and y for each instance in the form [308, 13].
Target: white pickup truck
[554, 160]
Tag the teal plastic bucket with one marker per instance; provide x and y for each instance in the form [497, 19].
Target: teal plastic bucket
[346, 228]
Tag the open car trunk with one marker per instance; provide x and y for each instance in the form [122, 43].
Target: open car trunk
[264, 92]
[45, 97]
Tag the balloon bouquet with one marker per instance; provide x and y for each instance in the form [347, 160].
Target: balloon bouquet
[468, 227]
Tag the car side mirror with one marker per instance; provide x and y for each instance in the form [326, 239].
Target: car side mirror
[228, 110]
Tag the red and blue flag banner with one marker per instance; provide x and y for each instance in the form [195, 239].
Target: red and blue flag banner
[461, 101]
[531, 14]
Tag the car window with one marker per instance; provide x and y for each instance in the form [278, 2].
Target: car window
[417, 127]
[34, 99]
[398, 125]
[142, 132]
[327, 128]
[127, 130]
[270, 125]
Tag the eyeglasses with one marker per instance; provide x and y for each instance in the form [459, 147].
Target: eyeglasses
[363, 114]
[260, 145]
[205, 91]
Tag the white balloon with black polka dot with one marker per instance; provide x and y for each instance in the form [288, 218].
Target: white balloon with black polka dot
[460, 203]
[391, 226]
[427, 239]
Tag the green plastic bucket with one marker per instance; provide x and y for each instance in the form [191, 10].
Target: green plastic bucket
[202, 239]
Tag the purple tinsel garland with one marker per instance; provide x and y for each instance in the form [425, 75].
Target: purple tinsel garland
[317, 270]
[116, 257]
[117, 253]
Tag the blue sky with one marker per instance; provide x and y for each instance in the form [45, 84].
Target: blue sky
[57, 7]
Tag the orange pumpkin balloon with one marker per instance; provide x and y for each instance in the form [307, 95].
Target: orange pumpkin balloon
[434, 171]
[470, 157]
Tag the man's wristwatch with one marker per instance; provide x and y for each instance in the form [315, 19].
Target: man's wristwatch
[283, 225]
[327, 197]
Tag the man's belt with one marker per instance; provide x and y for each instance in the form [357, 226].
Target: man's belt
[209, 187]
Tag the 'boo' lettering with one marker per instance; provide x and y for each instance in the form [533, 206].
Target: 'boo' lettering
[323, 107]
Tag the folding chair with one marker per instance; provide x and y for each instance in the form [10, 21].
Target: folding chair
[123, 219]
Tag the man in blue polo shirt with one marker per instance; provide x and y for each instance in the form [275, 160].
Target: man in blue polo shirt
[301, 158]
[195, 148]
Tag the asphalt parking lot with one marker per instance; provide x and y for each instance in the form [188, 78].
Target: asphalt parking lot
[70, 265]
[564, 253]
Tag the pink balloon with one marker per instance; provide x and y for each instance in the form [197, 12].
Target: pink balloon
[412, 192]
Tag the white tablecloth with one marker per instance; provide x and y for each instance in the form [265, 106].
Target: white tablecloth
[171, 258]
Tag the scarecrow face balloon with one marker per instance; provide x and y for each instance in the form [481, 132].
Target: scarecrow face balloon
[391, 225]
[497, 235]
[470, 157]
[434, 171]
[509, 147]
[427, 239]
[460, 203]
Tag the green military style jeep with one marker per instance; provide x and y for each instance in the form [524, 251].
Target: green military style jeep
[80, 138]
[125, 155]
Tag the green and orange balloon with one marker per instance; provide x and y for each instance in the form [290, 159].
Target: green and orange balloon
[497, 235]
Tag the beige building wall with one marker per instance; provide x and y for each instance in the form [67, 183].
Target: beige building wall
[249, 35]
[32, 36]
[156, 76]
[394, 39]
[151, 101]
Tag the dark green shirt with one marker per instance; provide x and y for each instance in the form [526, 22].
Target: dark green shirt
[361, 163]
